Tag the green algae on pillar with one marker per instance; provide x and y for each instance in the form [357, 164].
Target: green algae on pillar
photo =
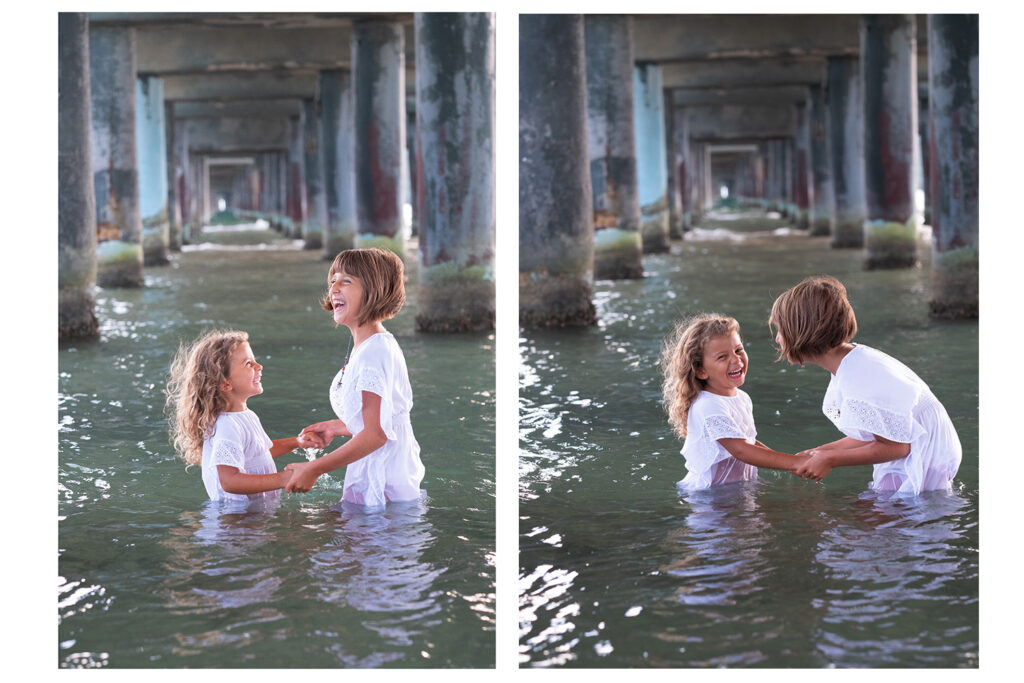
[76, 201]
[556, 229]
[888, 244]
[455, 171]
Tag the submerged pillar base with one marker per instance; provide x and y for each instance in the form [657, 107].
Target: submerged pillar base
[820, 227]
[455, 300]
[555, 300]
[76, 314]
[339, 240]
[119, 264]
[618, 254]
[890, 245]
[394, 243]
[848, 233]
[955, 284]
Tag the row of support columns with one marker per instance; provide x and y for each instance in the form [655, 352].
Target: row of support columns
[340, 170]
[847, 168]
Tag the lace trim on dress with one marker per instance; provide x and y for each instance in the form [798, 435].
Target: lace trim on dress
[228, 453]
[721, 427]
[372, 380]
[871, 418]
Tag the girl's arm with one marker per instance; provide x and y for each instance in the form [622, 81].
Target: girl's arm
[853, 452]
[233, 481]
[359, 446]
[845, 442]
[759, 455]
[303, 440]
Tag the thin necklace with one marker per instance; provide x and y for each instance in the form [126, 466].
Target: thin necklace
[345, 364]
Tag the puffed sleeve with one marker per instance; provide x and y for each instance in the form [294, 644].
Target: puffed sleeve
[375, 375]
[227, 445]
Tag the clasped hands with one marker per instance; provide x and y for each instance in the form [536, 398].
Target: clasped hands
[303, 477]
[815, 466]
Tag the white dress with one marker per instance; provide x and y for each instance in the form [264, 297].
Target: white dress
[238, 440]
[873, 393]
[393, 472]
[712, 417]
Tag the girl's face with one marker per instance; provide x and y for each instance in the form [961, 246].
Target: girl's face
[725, 364]
[346, 293]
[244, 377]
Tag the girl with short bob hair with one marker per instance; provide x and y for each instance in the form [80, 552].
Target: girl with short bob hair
[705, 364]
[889, 416]
[371, 394]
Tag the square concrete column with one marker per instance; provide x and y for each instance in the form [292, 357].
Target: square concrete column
[846, 152]
[612, 147]
[378, 76]
[337, 132]
[953, 91]
[803, 189]
[151, 145]
[296, 182]
[821, 173]
[76, 201]
[313, 173]
[455, 170]
[114, 158]
[556, 226]
[649, 122]
[889, 80]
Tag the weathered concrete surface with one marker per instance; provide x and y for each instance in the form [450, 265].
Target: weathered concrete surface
[821, 172]
[556, 230]
[612, 147]
[151, 144]
[652, 181]
[846, 151]
[681, 196]
[889, 82]
[455, 169]
[76, 201]
[803, 190]
[313, 173]
[114, 157]
[953, 80]
[336, 128]
[295, 199]
[378, 68]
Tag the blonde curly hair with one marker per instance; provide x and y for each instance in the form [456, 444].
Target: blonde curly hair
[194, 398]
[682, 356]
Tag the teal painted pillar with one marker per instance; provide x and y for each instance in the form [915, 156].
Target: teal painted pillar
[76, 200]
[151, 145]
[336, 129]
[649, 121]
[612, 147]
[378, 78]
[846, 152]
[556, 228]
[119, 254]
[953, 102]
[889, 80]
[455, 170]
[821, 174]
[313, 174]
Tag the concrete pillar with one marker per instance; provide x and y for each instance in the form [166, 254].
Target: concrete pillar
[378, 68]
[414, 151]
[649, 122]
[846, 150]
[673, 195]
[316, 198]
[821, 173]
[172, 170]
[608, 41]
[680, 162]
[182, 178]
[556, 228]
[151, 145]
[924, 133]
[114, 158]
[889, 80]
[455, 167]
[803, 188]
[953, 94]
[336, 128]
[76, 200]
[296, 194]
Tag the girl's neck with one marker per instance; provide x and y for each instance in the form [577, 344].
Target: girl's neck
[831, 359]
[361, 333]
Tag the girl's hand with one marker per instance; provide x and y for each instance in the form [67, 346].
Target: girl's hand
[311, 440]
[326, 431]
[817, 465]
[303, 477]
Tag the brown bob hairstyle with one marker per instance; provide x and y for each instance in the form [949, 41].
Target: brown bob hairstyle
[812, 318]
[382, 274]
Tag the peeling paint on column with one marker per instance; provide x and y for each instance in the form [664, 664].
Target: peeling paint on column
[953, 93]
[611, 147]
[455, 171]
[556, 229]
[378, 68]
[889, 80]
[114, 157]
[649, 122]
